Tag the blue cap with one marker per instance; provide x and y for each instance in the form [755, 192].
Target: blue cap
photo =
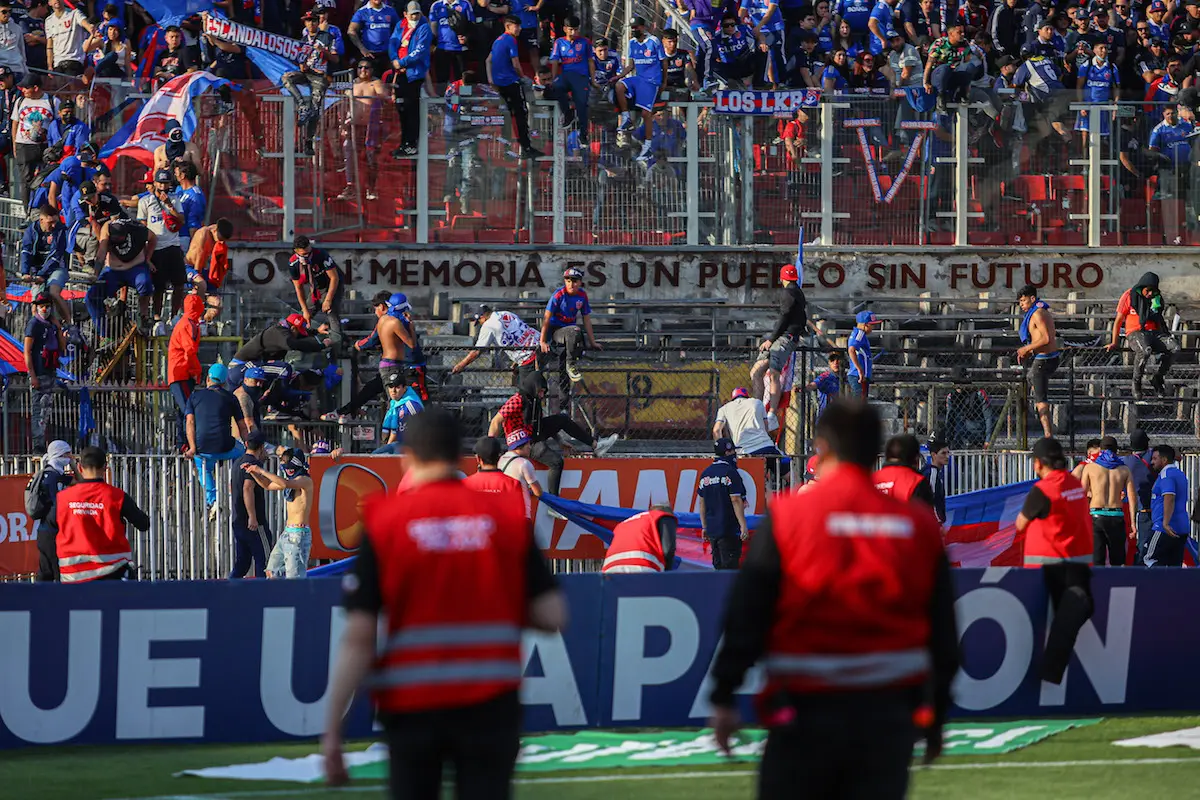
[865, 317]
[255, 374]
[217, 372]
[724, 447]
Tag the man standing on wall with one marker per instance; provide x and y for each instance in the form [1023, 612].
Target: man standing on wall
[1038, 351]
[1108, 483]
[722, 499]
[775, 350]
[1140, 310]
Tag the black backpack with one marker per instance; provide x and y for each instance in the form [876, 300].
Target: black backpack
[37, 500]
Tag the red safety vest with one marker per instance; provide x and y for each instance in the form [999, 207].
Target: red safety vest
[898, 481]
[1066, 532]
[636, 546]
[452, 576]
[493, 481]
[91, 534]
[857, 580]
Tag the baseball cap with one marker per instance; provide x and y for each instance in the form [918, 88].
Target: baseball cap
[1004, 61]
[163, 176]
[518, 438]
[788, 272]
[866, 318]
[1158, 5]
[42, 299]
[218, 372]
[394, 379]
[724, 447]
[307, 15]
[635, 21]
[87, 189]
[6, 72]
[30, 80]
[573, 272]
[740, 391]
[148, 177]
[296, 321]
[480, 311]
[255, 440]
[1099, 11]
[1157, 42]
[255, 374]
[412, 7]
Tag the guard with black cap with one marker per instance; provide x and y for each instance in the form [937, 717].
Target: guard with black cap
[846, 599]
[722, 498]
[1058, 538]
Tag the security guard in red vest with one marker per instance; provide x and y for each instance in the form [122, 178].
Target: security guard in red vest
[1058, 538]
[643, 543]
[846, 596]
[92, 514]
[900, 476]
[457, 575]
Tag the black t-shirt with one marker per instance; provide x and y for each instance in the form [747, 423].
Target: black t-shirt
[238, 481]
[793, 317]
[363, 592]
[313, 269]
[137, 235]
[175, 62]
[1037, 505]
[274, 343]
[677, 65]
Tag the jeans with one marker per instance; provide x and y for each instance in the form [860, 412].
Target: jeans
[387, 450]
[180, 392]
[573, 88]
[247, 547]
[1147, 343]
[289, 556]
[206, 465]
[858, 386]
[549, 454]
[42, 402]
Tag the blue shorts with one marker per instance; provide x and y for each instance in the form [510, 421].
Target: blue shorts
[1082, 123]
[58, 278]
[641, 92]
[138, 277]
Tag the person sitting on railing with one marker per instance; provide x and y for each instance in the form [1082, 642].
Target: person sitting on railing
[44, 344]
[568, 317]
[572, 69]
[314, 71]
[212, 415]
[404, 403]
[604, 77]
[177, 59]
[945, 69]
[44, 254]
[124, 253]
[1140, 312]
[680, 80]
[505, 330]
[641, 80]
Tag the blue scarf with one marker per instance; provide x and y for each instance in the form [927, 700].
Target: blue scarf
[1033, 309]
[1108, 459]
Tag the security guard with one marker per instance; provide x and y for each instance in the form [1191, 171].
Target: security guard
[91, 524]
[900, 476]
[846, 596]
[1058, 538]
[643, 543]
[456, 574]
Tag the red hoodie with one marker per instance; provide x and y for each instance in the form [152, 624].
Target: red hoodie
[183, 352]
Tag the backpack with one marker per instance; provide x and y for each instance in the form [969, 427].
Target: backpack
[37, 503]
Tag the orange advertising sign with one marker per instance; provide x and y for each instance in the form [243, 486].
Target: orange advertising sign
[343, 486]
[18, 537]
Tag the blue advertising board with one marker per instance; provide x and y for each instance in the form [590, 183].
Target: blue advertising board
[250, 660]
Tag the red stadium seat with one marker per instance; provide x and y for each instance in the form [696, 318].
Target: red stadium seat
[987, 238]
[451, 236]
[468, 222]
[1066, 238]
[492, 236]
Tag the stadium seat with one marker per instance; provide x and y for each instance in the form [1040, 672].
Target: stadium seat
[468, 222]
[493, 236]
[1065, 238]
[987, 238]
[451, 236]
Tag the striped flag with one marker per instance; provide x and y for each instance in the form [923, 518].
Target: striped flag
[142, 135]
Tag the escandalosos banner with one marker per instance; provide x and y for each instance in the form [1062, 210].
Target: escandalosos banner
[247, 36]
[250, 660]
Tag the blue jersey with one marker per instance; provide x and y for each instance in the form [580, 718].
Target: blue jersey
[647, 57]
[439, 12]
[73, 135]
[607, 69]
[1039, 77]
[572, 55]
[401, 411]
[1099, 81]
[856, 12]
[732, 48]
[757, 9]
[1171, 140]
[520, 9]
[565, 308]
[828, 387]
[718, 483]
[1170, 481]
[859, 341]
[375, 26]
[833, 73]
[335, 33]
[504, 50]
[825, 39]
[883, 14]
[193, 204]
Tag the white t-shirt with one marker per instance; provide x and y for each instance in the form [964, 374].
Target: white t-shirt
[907, 57]
[504, 329]
[67, 34]
[31, 119]
[150, 211]
[746, 419]
[521, 469]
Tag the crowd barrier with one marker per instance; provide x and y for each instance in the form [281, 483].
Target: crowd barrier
[250, 661]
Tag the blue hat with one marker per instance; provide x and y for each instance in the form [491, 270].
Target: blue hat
[865, 318]
[518, 438]
[398, 304]
[217, 372]
[724, 447]
[255, 374]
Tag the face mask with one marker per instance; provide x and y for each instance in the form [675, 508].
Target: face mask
[68, 119]
[42, 312]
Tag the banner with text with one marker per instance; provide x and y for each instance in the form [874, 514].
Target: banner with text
[732, 101]
[247, 36]
[18, 534]
[637, 483]
[251, 660]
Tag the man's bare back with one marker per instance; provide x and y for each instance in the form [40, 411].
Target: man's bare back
[1106, 488]
[1040, 321]
[390, 337]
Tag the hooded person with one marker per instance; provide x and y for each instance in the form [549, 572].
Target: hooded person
[523, 413]
[53, 476]
[174, 150]
[1140, 313]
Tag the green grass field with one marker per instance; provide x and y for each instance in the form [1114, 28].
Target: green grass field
[1080, 763]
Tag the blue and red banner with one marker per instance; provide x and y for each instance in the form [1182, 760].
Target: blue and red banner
[981, 527]
[142, 135]
[768, 103]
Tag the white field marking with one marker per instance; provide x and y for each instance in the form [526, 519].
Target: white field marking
[709, 774]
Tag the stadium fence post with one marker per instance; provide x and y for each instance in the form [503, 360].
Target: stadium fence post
[827, 150]
[558, 183]
[1071, 396]
[746, 154]
[1093, 180]
[693, 174]
[423, 174]
[289, 167]
[962, 189]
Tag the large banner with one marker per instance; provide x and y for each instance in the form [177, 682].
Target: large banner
[18, 534]
[247, 36]
[250, 660]
[729, 101]
[638, 483]
[981, 527]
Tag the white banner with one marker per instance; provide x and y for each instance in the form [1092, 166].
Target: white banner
[230, 31]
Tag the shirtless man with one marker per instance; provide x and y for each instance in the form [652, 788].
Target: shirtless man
[394, 335]
[175, 149]
[1108, 483]
[1038, 351]
[124, 248]
[207, 256]
[289, 557]
[363, 127]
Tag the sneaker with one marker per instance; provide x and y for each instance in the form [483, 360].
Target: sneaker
[404, 152]
[605, 444]
[372, 194]
[574, 374]
[347, 193]
[333, 416]
[212, 513]
[772, 422]
[645, 154]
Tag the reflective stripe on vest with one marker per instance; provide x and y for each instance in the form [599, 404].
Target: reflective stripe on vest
[71, 576]
[464, 635]
[629, 569]
[631, 555]
[442, 672]
[857, 671]
[104, 559]
[1033, 560]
